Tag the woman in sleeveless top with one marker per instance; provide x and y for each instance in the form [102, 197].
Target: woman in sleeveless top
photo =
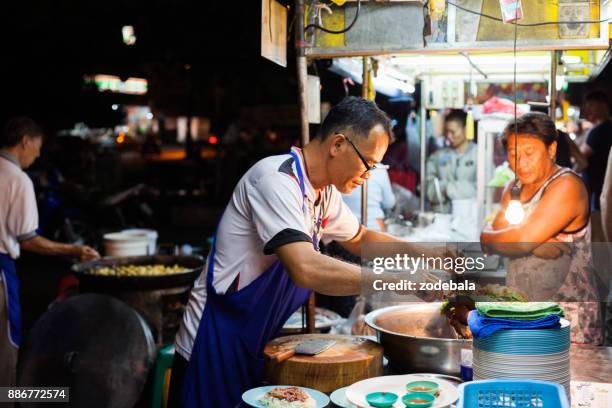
[543, 263]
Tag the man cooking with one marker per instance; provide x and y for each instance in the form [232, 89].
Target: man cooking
[20, 145]
[265, 261]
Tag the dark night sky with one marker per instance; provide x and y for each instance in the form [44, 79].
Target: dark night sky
[49, 46]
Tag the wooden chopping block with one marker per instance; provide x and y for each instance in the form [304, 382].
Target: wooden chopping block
[351, 359]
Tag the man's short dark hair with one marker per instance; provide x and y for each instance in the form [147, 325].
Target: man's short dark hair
[456, 115]
[597, 96]
[536, 124]
[354, 116]
[16, 128]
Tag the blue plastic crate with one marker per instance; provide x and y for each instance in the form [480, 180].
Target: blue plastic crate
[508, 393]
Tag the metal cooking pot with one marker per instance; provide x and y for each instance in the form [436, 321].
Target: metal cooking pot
[417, 338]
[86, 272]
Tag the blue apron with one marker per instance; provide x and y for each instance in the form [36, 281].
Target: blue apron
[11, 288]
[227, 355]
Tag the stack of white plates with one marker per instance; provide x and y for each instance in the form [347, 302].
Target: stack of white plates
[533, 354]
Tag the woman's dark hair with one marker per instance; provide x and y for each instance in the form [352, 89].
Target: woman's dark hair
[456, 115]
[536, 124]
[16, 128]
[354, 116]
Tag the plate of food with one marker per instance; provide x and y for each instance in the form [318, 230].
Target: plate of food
[444, 395]
[285, 396]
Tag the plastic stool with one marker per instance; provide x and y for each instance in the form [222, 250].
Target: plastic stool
[161, 379]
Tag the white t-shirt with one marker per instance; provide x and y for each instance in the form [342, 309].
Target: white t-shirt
[18, 211]
[264, 212]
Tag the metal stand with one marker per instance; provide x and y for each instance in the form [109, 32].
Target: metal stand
[423, 146]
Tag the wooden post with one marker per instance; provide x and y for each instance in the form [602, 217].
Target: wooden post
[302, 73]
[553, 85]
[364, 93]
[302, 78]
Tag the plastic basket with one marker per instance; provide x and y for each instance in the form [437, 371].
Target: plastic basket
[509, 393]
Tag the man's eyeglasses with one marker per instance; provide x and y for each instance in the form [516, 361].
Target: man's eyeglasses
[363, 160]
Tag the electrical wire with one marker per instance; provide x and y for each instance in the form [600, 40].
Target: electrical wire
[515, 100]
[469, 60]
[344, 30]
[543, 23]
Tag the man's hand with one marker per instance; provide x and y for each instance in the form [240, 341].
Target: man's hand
[552, 249]
[442, 252]
[85, 253]
[44, 246]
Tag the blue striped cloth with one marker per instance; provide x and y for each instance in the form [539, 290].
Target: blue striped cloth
[483, 326]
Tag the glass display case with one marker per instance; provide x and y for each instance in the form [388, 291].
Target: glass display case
[491, 155]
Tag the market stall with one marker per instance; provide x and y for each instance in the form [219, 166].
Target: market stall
[480, 83]
[459, 54]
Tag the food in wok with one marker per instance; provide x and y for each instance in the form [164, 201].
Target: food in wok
[139, 270]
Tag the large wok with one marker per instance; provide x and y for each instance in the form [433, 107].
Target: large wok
[417, 338]
[88, 278]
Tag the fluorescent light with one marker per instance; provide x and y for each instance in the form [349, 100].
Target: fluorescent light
[388, 81]
[571, 59]
[479, 60]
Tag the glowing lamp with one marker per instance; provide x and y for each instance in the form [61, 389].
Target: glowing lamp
[515, 212]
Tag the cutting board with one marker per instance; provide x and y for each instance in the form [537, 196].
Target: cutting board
[351, 359]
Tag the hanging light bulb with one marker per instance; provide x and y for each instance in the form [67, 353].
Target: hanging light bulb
[515, 212]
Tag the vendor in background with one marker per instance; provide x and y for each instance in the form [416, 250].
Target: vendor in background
[556, 205]
[402, 175]
[596, 150]
[568, 153]
[451, 171]
[20, 145]
[380, 198]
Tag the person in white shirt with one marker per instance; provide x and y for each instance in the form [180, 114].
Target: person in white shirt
[380, 197]
[451, 171]
[265, 262]
[20, 145]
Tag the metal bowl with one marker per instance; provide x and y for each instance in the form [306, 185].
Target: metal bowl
[417, 338]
